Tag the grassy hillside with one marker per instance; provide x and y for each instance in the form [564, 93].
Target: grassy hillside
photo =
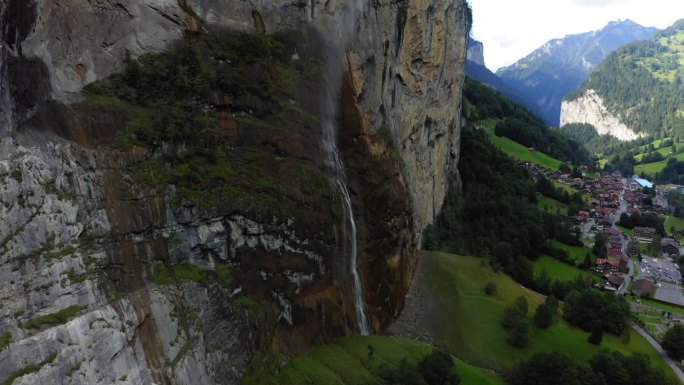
[517, 150]
[677, 223]
[552, 206]
[652, 168]
[574, 252]
[468, 321]
[559, 270]
[347, 363]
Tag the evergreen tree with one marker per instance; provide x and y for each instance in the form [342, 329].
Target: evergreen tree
[673, 342]
[596, 335]
[543, 316]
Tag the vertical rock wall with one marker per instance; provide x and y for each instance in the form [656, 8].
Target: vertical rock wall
[82, 242]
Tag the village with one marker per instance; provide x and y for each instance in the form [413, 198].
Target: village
[639, 262]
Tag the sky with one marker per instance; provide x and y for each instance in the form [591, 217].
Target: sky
[512, 29]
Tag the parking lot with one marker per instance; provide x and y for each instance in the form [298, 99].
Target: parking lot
[670, 292]
[662, 269]
[667, 276]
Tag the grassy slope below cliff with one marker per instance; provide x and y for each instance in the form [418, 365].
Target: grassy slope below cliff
[467, 322]
[347, 362]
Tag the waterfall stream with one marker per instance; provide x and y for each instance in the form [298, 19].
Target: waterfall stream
[340, 30]
[333, 161]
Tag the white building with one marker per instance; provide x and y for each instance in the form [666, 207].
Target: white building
[643, 183]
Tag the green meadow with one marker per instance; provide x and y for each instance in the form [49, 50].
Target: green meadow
[468, 322]
[347, 362]
[652, 168]
[677, 223]
[559, 270]
[552, 206]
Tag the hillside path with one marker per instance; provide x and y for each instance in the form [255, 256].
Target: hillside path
[670, 362]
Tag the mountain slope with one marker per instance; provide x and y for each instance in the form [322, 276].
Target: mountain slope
[561, 65]
[639, 86]
[476, 69]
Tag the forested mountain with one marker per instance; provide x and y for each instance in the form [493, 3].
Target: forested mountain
[561, 65]
[641, 84]
[518, 124]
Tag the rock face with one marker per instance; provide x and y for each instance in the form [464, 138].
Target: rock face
[589, 109]
[476, 52]
[106, 279]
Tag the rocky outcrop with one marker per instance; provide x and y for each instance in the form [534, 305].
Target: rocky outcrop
[476, 52]
[590, 109]
[76, 309]
[107, 278]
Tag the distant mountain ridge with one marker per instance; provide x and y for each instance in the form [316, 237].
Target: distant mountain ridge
[640, 86]
[561, 65]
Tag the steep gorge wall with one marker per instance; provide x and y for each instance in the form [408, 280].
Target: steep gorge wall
[78, 230]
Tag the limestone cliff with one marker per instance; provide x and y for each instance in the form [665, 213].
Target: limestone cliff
[590, 109]
[113, 271]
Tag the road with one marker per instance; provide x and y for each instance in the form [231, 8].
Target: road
[616, 218]
[670, 362]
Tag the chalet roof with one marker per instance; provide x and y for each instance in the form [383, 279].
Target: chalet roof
[669, 242]
[643, 285]
[616, 280]
[611, 262]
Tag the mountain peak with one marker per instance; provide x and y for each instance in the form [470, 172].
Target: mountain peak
[628, 22]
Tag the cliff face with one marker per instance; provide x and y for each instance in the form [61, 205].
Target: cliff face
[106, 276]
[476, 52]
[590, 109]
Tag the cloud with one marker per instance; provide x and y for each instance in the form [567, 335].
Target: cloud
[511, 30]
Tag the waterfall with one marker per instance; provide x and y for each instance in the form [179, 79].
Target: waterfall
[338, 178]
[339, 31]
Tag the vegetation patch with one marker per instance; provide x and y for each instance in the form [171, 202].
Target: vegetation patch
[29, 369]
[5, 339]
[186, 271]
[53, 319]
[215, 110]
